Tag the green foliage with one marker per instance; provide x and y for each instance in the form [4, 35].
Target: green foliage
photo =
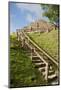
[51, 11]
[47, 41]
[22, 71]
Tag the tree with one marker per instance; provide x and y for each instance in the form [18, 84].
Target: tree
[52, 12]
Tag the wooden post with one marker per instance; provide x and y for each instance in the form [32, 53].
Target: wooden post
[46, 72]
[23, 42]
[32, 51]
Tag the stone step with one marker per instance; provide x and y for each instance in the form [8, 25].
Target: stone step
[37, 61]
[42, 69]
[52, 76]
[40, 65]
[35, 57]
[51, 72]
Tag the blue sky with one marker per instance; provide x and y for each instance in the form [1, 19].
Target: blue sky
[22, 14]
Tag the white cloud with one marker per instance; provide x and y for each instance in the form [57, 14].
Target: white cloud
[32, 8]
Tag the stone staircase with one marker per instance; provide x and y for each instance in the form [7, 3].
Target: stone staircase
[40, 65]
[43, 62]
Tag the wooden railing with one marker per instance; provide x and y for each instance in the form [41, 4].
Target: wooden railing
[48, 56]
[32, 45]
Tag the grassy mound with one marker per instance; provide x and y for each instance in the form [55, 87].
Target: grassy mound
[47, 41]
[22, 71]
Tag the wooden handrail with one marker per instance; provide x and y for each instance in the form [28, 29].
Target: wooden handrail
[39, 48]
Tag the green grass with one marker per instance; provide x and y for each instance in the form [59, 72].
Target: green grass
[22, 71]
[47, 41]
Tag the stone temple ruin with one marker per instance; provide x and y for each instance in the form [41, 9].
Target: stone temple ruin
[39, 26]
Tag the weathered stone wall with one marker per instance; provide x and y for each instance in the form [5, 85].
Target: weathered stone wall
[40, 25]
